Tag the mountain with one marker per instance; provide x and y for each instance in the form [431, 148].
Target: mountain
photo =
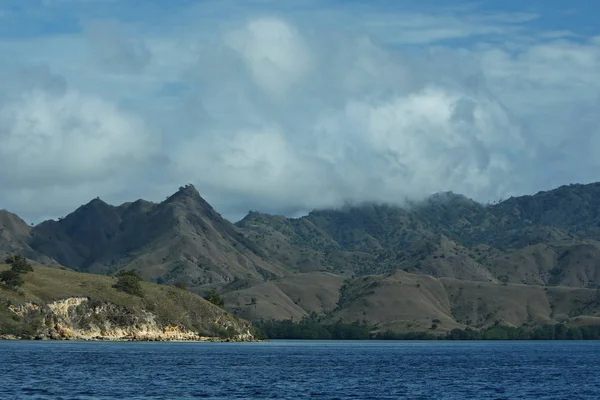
[270, 266]
[447, 235]
[182, 239]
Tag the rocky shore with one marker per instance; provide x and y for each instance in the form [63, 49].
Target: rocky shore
[78, 318]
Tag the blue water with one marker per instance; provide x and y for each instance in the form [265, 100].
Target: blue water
[300, 370]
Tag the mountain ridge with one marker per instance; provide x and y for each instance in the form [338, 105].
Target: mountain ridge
[550, 239]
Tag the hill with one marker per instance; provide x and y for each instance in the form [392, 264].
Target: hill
[405, 302]
[270, 266]
[62, 304]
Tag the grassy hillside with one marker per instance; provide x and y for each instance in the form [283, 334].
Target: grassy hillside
[294, 296]
[172, 306]
[408, 302]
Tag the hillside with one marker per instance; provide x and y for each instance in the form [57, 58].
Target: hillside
[14, 238]
[270, 266]
[406, 302]
[548, 238]
[63, 304]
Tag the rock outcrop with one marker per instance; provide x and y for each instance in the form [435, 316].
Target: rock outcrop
[81, 318]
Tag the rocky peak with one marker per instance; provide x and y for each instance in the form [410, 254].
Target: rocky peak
[187, 201]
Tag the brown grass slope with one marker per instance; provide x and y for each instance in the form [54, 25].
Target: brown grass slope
[410, 302]
[294, 296]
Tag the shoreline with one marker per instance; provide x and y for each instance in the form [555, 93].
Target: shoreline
[201, 339]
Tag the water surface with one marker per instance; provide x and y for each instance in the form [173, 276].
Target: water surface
[300, 370]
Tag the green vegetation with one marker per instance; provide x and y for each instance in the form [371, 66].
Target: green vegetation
[19, 264]
[311, 329]
[129, 282]
[13, 278]
[215, 298]
[308, 328]
[12, 324]
[546, 332]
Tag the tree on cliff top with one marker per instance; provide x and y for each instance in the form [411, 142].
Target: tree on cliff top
[129, 282]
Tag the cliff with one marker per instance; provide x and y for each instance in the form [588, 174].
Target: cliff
[163, 313]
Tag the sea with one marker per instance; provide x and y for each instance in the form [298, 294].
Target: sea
[297, 369]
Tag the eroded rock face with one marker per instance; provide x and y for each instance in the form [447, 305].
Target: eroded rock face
[79, 318]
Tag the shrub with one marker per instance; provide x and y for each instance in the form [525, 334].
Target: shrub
[129, 282]
[215, 298]
[131, 273]
[182, 286]
[11, 278]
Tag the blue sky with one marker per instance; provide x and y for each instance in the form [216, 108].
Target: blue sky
[284, 107]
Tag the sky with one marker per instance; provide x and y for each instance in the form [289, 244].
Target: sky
[288, 106]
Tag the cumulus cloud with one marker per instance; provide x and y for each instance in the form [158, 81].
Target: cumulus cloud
[282, 112]
[59, 141]
[273, 51]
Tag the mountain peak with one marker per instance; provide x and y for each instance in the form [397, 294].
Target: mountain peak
[97, 202]
[188, 199]
[185, 192]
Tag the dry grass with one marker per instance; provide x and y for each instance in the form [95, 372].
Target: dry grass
[293, 296]
[170, 304]
[408, 302]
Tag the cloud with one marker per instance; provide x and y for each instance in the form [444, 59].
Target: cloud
[273, 51]
[59, 140]
[114, 50]
[283, 108]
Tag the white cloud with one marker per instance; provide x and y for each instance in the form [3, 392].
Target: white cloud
[68, 139]
[284, 112]
[273, 51]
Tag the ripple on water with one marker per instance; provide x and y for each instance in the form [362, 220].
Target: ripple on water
[300, 370]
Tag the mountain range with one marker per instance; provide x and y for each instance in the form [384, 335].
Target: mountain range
[446, 261]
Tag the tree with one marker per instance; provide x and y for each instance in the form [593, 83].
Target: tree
[129, 282]
[215, 298]
[19, 264]
[252, 301]
[182, 286]
[11, 278]
[128, 273]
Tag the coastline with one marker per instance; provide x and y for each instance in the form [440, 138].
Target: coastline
[199, 339]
